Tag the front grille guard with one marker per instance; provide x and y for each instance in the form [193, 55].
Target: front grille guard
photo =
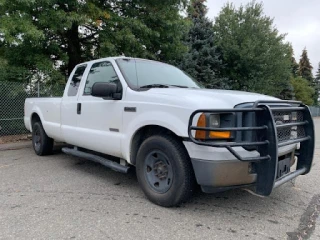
[267, 146]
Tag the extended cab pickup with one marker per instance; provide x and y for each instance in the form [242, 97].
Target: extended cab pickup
[124, 112]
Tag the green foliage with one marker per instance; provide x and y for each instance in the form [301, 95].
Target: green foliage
[317, 86]
[305, 68]
[317, 78]
[44, 39]
[256, 57]
[56, 35]
[305, 71]
[302, 91]
[294, 64]
[202, 61]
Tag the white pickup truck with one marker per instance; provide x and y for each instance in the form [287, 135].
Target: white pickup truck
[177, 134]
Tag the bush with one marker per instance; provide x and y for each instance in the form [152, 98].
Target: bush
[302, 91]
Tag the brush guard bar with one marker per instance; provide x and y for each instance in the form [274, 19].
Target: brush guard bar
[267, 144]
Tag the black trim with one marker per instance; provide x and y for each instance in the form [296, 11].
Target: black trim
[78, 108]
[96, 158]
[130, 109]
[186, 139]
[114, 129]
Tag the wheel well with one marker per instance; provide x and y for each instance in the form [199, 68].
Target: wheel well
[142, 134]
[35, 118]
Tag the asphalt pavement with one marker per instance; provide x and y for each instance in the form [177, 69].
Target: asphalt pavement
[63, 197]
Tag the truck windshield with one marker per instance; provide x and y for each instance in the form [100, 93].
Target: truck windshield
[141, 74]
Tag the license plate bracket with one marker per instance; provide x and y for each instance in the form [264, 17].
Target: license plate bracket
[283, 167]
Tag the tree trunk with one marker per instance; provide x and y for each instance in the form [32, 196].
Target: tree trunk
[74, 48]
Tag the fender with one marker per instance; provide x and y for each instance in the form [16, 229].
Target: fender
[36, 110]
[52, 129]
[160, 118]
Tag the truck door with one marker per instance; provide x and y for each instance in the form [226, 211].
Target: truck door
[69, 116]
[100, 121]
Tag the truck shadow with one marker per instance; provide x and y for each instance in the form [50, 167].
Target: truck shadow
[235, 205]
[231, 200]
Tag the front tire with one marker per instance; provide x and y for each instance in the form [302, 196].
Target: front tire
[164, 171]
[42, 144]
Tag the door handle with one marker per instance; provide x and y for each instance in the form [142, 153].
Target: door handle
[79, 108]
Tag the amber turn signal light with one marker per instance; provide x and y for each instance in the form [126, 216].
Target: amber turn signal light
[225, 134]
[201, 123]
[202, 135]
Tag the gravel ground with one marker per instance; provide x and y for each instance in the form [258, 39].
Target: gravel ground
[62, 197]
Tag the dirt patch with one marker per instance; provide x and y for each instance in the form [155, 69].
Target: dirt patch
[14, 138]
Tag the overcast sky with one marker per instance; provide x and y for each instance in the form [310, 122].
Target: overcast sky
[299, 19]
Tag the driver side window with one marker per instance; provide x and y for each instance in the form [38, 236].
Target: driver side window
[101, 72]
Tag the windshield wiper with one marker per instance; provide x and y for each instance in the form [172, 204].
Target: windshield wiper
[161, 86]
[179, 86]
[155, 86]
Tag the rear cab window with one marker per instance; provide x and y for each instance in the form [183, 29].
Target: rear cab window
[75, 81]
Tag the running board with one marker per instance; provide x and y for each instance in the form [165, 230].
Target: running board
[95, 158]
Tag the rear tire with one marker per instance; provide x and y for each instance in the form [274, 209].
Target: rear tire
[164, 171]
[42, 144]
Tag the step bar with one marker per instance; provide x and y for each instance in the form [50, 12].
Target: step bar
[95, 158]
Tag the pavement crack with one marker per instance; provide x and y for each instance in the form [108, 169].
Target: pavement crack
[307, 221]
[286, 202]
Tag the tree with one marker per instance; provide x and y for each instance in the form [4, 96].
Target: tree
[202, 61]
[305, 68]
[317, 85]
[317, 78]
[53, 34]
[302, 90]
[256, 57]
[305, 71]
[294, 64]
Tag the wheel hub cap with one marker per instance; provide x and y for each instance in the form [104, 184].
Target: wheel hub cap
[37, 139]
[158, 171]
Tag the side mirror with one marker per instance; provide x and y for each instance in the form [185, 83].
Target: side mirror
[105, 90]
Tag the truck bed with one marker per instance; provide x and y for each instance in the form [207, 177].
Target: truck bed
[48, 109]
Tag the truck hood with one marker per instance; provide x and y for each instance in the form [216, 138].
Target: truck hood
[205, 98]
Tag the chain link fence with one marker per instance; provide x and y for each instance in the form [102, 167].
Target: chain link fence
[12, 98]
[315, 111]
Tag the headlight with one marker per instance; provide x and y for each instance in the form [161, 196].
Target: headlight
[211, 121]
[214, 120]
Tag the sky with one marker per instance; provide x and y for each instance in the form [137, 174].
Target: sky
[299, 19]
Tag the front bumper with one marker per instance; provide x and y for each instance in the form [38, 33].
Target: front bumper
[216, 169]
[223, 165]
